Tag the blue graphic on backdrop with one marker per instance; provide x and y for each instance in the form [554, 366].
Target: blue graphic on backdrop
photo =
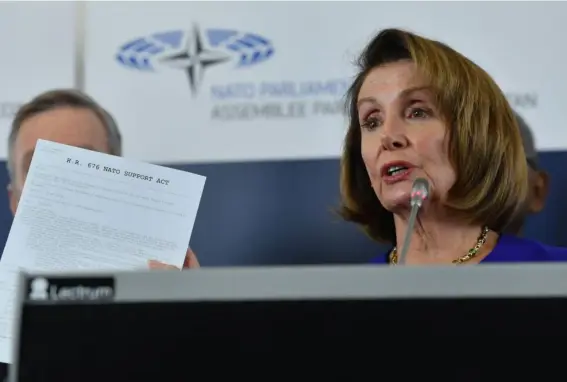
[264, 97]
[194, 51]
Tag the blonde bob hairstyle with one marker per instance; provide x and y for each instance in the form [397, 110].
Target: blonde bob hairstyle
[485, 145]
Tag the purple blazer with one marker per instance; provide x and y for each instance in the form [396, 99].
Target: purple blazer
[512, 249]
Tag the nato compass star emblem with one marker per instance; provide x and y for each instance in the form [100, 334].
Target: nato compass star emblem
[194, 51]
[194, 59]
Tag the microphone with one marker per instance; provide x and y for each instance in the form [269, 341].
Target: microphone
[419, 193]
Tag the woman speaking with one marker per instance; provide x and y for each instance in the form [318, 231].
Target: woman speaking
[420, 110]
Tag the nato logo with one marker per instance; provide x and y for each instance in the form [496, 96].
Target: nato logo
[194, 51]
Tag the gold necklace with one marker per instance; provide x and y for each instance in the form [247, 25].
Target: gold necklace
[473, 252]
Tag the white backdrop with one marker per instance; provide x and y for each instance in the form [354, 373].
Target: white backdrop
[288, 105]
[38, 53]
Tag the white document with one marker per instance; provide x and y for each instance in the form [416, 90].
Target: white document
[84, 210]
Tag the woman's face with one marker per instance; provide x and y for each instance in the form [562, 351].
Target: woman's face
[403, 135]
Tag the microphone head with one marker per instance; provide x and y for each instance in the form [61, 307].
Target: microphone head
[419, 192]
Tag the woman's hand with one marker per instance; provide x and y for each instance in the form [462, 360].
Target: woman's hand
[190, 262]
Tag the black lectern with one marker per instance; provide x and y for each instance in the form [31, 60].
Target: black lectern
[167, 326]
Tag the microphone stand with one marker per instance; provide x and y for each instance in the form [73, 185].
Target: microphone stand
[420, 192]
[407, 239]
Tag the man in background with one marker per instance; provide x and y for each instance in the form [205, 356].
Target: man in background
[69, 117]
[63, 116]
[537, 178]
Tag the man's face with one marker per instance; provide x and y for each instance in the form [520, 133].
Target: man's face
[539, 184]
[538, 181]
[70, 126]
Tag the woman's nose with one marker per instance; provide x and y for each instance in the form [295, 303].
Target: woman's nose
[393, 135]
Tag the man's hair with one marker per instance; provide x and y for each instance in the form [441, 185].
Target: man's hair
[484, 144]
[528, 141]
[59, 98]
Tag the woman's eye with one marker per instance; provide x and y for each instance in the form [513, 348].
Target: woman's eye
[418, 113]
[370, 123]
